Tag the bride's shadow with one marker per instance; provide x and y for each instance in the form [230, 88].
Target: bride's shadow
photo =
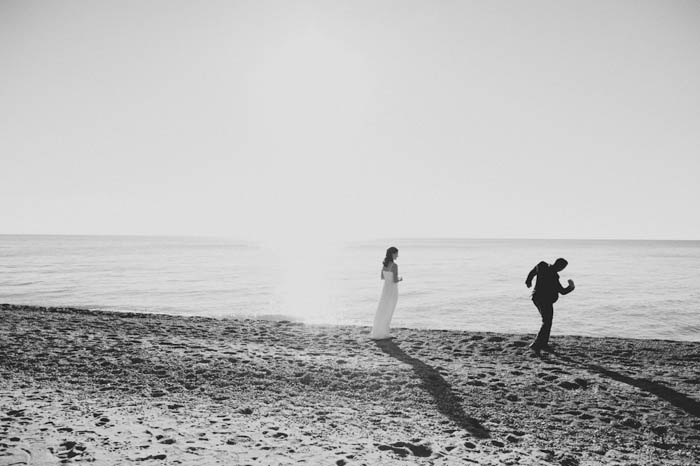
[447, 402]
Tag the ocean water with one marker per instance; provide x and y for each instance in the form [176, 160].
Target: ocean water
[637, 289]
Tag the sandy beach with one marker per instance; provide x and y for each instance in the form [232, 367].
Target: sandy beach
[123, 388]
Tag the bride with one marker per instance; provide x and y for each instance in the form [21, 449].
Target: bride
[390, 295]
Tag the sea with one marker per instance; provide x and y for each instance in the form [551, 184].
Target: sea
[632, 289]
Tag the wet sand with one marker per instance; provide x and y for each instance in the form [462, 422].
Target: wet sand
[120, 388]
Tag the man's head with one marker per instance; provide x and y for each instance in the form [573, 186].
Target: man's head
[560, 264]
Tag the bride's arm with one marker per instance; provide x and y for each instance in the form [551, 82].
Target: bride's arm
[395, 268]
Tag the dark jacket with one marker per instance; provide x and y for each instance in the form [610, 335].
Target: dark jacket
[547, 288]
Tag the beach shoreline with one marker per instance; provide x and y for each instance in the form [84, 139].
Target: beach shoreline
[120, 388]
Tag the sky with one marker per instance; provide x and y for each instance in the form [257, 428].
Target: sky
[351, 119]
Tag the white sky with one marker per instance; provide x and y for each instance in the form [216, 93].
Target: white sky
[351, 119]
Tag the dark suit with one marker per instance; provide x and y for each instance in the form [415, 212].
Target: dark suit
[545, 294]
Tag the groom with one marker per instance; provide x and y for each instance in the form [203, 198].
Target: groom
[546, 293]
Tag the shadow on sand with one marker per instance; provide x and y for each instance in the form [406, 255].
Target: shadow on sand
[677, 399]
[447, 402]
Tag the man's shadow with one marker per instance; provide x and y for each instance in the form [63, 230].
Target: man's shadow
[447, 402]
[677, 399]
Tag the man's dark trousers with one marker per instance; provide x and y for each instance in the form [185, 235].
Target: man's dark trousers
[546, 309]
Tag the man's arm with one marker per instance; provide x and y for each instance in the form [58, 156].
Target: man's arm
[530, 276]
[566, 290]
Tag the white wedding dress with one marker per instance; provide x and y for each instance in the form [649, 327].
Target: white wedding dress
[385, 309]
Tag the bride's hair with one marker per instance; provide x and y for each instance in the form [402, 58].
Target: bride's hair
[390, 256]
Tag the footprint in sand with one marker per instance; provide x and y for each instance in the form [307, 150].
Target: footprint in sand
[102, 422]
[569, 385]
[404, 449]
[70, 450]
